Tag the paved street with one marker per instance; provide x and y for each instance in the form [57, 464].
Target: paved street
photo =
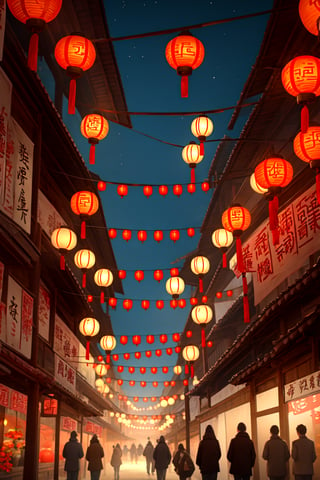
[133, 471]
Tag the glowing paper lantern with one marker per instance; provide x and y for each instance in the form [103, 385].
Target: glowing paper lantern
[63, 239]
[84, 204]
[255, 185]
[158, 275]
[222, 239]
[163, 338]
[190, 354]
[84, 259]
[103, 278]
[145, 304]
[150, 339]
[184, 53]
[127, 304]
[175, 286]
[136, 340]
[108, 343]
[147, 190]
[158, 235]
[190, 232]
[176, 337]
[163, 190]
[101, 370]
[122, 190]
[307, 147]
[139, 275]
[94, 127]
[309, 12]
[174, 235]
[174, 272]
[75, 54]
[274, 173]
[112, 302]
[35, 14]
[89, 327]
[177, 190]
[123, 339]
[200, 265]
[160, 304]
[201, 315]
[301, 78]
[177, 369]
[112, 233]
[192, 156]
[202, 127]
[126, 235]
[142, 235]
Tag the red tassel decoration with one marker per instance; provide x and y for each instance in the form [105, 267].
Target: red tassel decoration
[62, 263]
[83, 229]
[186, 369]
[304, 119]
[84, 280]
[224, 260]
[87, 350]
[108, 358]
[102, 296]
[240, 264]
[191, 371]
[200, 285]
[273, 219]
[201, 148]
[72, 97]
[275, 237]
[318, 184]
[184, 86]
[33, 52]
[203, 338]
[193, 175]
[246, 313]
[92, 154]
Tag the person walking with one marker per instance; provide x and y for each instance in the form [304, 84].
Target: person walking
[303, 454]
[148, 453]
[94, 456]
[208, 455]
[116, 461]
[162, 458]
[241, 454]
[72, 452]
[183, 464]
[277, 454]
[133, 453]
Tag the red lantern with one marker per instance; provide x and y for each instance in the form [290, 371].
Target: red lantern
[166, 383]
[137, 355]
[136, 399]
[202, 127]
[222, 239]
[165, 369]
[120, 381]
[158, 352]
[89, 327]
[148, 354]
[145, 399]
[188, 333]
[123, 339]
[101, 186]
[142, 370]
[150, 339]
[163, 338]
[205, 186]
[174, 235]
[173, 303]
[200, 265]
[176, 337]
[193, 301]
[112, 232]
[307, 147]
[160, 304]
[229, 293]
[219, 295]
[182, 302]
[158, 275]
[115, 357]
[163, 190]
[84, 204]
[131, 370]
[209, 343]
[143, 384]
[158, 235]
[94, 127]
[90, 298]
[177, 349]
[145, 304]
[301, 78]
[236, 219]
[191, 155]
[274, 173]
[174, 272]
[185, 382]
[184, 53]
[75, 54]
[35, 14]
[169, 351]
[122, 274]
[139, 275]
[127, 304]
[172, 383]
[147, 190]
[309, 13]
[191, 187]
[122, 190]
[126, 235]
[136, 340]
[177, 190]
[142, 235]
[126, 356]
[154, 370]
[84, 259]
[204, 299]
[155, 384]
[190, 232]
[120, 368]
[65, 240]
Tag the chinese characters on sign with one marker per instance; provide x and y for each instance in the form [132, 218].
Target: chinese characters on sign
[92, 428]
[48, 217]
[302, 387]
[66, 343]
[5, 111]
[12, 399]
[68, 424]
[49, 407]
[64, 374]
[44, 313]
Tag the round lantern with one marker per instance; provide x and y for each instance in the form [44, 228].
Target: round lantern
[101, 369]
[175, 286]
[184, 53]
[158, 275]
[35, 14]
[75, 54]
[222, 239]
[160, 304]
[177, 190]
[142, 235]
[309, 12]
[126, 235]
[84, 204]
[255, 186]
[158, 235]
[89, 327]
[64, 240]
[127, 304]
[108, 343]
[190, 354]
[177, 369]
[94, 127]
[274, 173]
[99, 384]
[103, 278]
[139, 275]
[84, 259]
[163, 190]
[174, 235]
[145, 304]
[201, 315]
[202, 127]
[200, 266]
[122, 190]
[301, 78]
[192, 156]
[307, 147]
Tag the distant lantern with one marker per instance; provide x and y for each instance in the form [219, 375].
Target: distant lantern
[184, 53]
[84, 204]
[163, 338]
[158, 275]
[75, 54]
[174, 272]
[122, 190]
[309, 12]
[35, 14]
[200, 265]
[307, 147]
[123, 339]
[255, 185]
[202, 127]
[163, 190]
[174, 235]
[147, 190]
[301, 78]
[158, 235]
[177, 189]
[190, 354]
[126, 235]
[222, 239]
[145, 304]
[274, 173]
[101, 369]
[127, 304]
[139, 275]
[122, 274]
[94, 127]
[108, 343]
[177, 369]
[201, 315]
[63, 239]
[175, 286]
[160, 304]
[112, 302]
[89, 327]
[190, 232]
[142, 235]
[150, 339]
[112, 233]
[192, 156]
[84, 259]
[103, 278]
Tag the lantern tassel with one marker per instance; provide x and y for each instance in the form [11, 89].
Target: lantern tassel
[191, 371]
[275, 236]
[224, 260]
[240, 264]
[84, 280]
[318, 184]
[92, 154]
[246, 313]
[108, 358]
[87, 350]
[62, 263]
[203, 337]
[184, 86]
[102, 296]
[83, 229]
[72, 97]
[186, 369]
[304, 119]
[193, 175]
[200, 285]
[33, 52]
[201, 148]
[273, 219]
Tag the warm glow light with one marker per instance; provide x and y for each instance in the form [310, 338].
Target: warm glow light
[202, 314]
[89, 327]
[190, 353]
[175, 286]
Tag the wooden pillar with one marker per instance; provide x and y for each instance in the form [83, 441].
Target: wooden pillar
[57, 444]
[187, 412]
[32, 434]
[253, 415]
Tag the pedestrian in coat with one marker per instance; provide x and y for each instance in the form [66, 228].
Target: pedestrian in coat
[276, 452]
[72, 452]
[241, 454]
[183, 464]
[116, 461]
[208, 455]
[162, 458]
[148, 453]
[303, 454]
[94, 455]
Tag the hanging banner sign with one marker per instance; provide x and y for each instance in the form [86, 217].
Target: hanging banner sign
[44, 313]
[48, 217]
[49, 407]
[68, 424]
[5, 111]
[303, 387]
[66, 343]
[64, 374]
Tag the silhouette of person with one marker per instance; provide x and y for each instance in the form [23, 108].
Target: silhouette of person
[241, 454]
[162, 457]
[208, 455]
[72, 452]
[116, 461]
[276, 452]
[148, 453]
[94, 455]
[303, 454]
